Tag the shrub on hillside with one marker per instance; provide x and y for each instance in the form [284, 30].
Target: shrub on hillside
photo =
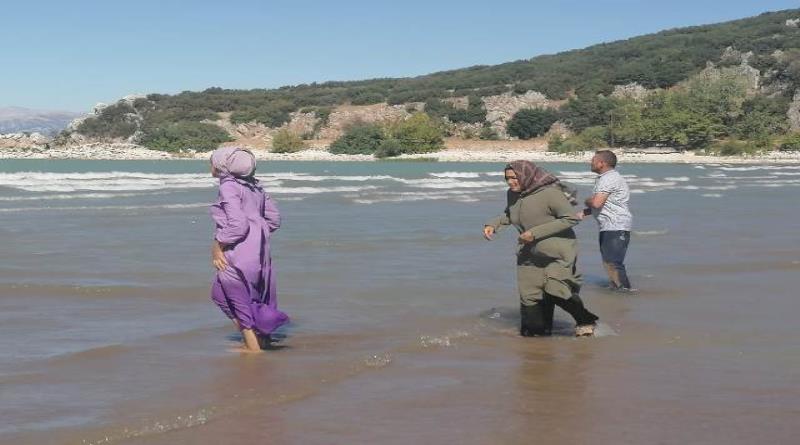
[272, 114]
[488, 133]
[590, 139]
[791, 142]
[181, 136]
[732, 147]
[474, 113]
[531, 122]
[418, 134]
[284, 141]
[367, 98]
[389, 148]
[359, 138]
[115, 121]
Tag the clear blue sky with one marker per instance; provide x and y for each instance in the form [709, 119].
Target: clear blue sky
[71, 54]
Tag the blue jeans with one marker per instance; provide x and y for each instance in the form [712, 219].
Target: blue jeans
[613, 246]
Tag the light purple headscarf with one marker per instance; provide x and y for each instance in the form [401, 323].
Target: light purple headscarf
[234, 161]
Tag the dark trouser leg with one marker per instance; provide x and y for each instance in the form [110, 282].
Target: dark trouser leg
[574, 306]
[536, 319]
[548, 308]
[613, 247]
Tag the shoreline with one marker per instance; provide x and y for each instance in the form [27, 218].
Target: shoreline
[129, 152]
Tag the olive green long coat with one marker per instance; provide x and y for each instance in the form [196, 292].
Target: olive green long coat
[546, 265]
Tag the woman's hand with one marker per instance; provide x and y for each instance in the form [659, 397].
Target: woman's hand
[488, 232]
[218, 257]
[526, 237]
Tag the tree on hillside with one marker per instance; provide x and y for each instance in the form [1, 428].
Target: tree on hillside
[359, 138]
[418, 134]
[284, 141]
[531, 122]
[181, 136]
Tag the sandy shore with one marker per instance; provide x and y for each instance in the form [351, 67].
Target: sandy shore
[495, 154]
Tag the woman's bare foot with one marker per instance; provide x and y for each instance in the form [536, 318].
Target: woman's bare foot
[251, 340]
[245, 350]
[584, 330]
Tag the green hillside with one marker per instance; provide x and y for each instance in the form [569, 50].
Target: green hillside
[586, 76]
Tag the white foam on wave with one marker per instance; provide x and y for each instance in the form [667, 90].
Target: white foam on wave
[760, 167]
[646, 233]
[82, 208]
[415, 197]
[678, 179]
[64, 196]
[449, 183]
[455, 175]
[291, 176]
[746, 178]
[577, 177]
[428, 341]
[776, 183]
[138, 181]
[103, 181]
[654, 184]
[318, 190]
[700, 167]
[720, 187]
[576, 174]
[711, 195]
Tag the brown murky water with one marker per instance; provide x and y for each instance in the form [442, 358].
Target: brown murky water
[404, 320]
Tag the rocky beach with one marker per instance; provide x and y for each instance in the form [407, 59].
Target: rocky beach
[35, 147]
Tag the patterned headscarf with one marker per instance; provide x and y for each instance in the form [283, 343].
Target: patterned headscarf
[531, 177]
[234, 161]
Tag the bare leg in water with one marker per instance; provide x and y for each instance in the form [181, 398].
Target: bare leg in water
[252, 343]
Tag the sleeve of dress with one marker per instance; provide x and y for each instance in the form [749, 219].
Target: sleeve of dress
[271, 213]
[235, 227]
[561, 210]
[499, 221]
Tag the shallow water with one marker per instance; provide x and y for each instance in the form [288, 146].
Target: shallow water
[404, 319]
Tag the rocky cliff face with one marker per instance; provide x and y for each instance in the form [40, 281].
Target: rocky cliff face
[24, 141]
[501, 108]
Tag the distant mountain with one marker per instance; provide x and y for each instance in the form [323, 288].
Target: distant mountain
[18, 119]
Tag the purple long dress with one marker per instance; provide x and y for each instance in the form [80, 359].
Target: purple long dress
[245, 217]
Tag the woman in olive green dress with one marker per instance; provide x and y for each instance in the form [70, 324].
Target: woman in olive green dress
[546, 275]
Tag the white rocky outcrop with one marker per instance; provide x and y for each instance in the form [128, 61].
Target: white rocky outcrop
[101, 151]
[793, 114]
[346, 115]
[24, 141]
[501, 108]
[630, 91]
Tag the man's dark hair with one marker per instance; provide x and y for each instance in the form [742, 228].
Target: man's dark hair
[608, 157]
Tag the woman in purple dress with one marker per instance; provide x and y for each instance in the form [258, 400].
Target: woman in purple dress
[245, 217]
